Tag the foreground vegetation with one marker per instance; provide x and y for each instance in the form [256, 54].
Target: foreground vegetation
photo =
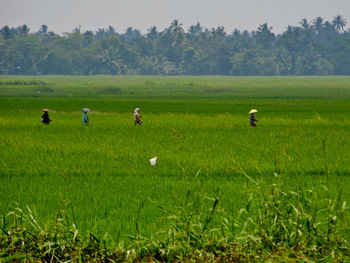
[286, 226]
[221, 190]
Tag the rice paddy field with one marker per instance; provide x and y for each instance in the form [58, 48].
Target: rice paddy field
[198, 127]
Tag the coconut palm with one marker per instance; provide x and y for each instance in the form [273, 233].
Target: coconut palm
[152, 33]
[6, 32]
[304, 24]
[198, 28]
[111, 59]
[23, 30]
[329, 27]
[236, 33]
[339, 22]
[111, 31]
[43, 30]
[264, 35]
[317, 24]
[191, 32]
[175, 26]
[264, 28]
[194, 31]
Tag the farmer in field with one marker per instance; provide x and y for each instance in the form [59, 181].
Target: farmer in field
[85, 116]
[45, 118]
[137, 117]
[252, 117]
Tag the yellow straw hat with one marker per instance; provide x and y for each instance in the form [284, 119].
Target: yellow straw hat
[253, 111]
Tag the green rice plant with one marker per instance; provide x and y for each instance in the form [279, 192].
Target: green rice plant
[192, 124]
[289, 226]
[189, 228]
[301, 223]
[23, 238]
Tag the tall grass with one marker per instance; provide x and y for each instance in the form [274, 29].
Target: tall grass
[274, 224]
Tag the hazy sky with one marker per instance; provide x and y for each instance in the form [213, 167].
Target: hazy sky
[64, 15]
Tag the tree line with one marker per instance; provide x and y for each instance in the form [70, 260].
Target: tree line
[316, 47]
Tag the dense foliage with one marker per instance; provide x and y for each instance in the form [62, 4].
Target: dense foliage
[312, 48]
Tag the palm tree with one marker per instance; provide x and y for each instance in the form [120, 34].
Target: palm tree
[220, 31]
[111, 59]
[198, 28]
[88, 37]
[111, 31]
[43, 30]
[304, 24]
[176, 34]
[329, 27]
[152, 33]
[317, 24]
[100, 33]
[175, 26]
[194, 30]
[264, 35]
[236, 33]
[131, 33]
[23, 30]
[339, 22]
[264, 28]
[191, 32]
[6, 32]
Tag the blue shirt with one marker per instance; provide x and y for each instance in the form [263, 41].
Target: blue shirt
[85, 118]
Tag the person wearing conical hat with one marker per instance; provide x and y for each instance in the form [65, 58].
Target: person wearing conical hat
[45, 118]
[137, 117]
[252, 117]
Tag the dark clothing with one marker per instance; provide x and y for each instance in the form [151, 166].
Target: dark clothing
[252, 120]
[137, 118]
[45, 118]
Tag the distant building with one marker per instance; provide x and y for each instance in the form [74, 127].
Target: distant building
[170, 68]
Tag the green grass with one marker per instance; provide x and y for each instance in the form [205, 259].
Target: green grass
[176, 87]
[197, 126]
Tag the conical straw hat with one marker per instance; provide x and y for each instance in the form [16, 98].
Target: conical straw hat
[45, 110]
[252, 111]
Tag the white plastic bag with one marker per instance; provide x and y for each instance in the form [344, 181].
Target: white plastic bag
[153, 161]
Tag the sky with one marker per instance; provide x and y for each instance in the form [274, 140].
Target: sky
[65, 15]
